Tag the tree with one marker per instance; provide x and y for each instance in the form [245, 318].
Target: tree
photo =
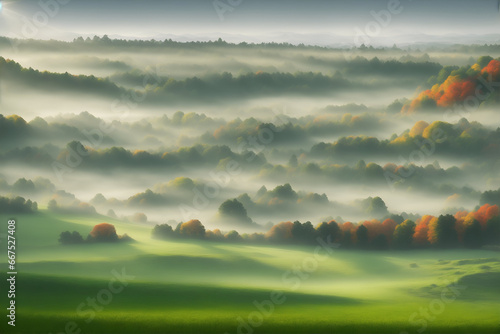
[259, 238]
[234, 211]
[103, 232]
[377, 207]
[233, 236]
[17, 205]
[178, 228]
[473, 235]
[388, 227]
[346, 240]
[193, 229]
[52, 206]
[139, 217]
[111, 213]
[303, 233]
[397, 218]
[329, 231]
[485, 213]
[403, 235]
[374, 171]
[308, 233]
[483, 61]
[362, 237]
[98, 199]
[23, 186]
[491, 197]
[68, 238]
[214, 235]
[421, 235]
[281, 232]
[361, 165]
[379, 242]
[492, 231]
[285, 192]
[442, 232]
[347, 231]
[262, 191]
[163, 231]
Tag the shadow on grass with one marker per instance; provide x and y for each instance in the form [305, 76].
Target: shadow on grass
[49, 293]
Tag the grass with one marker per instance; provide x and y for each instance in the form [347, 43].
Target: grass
[203, 287]
[206, 323]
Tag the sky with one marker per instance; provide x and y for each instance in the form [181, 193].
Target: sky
[311, 22]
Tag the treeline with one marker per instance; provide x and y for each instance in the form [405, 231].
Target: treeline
[17, 205]
[13, 125]
[15, 131]
[231, 86]
[464, 229]
[261, 83]
[162, 89]
[462, 139]
[115, 157]
[74, 206]
[490, 197]
[63, 81]
[38, 185]
[104, 41]
[474, 48]
[289, 133]
[103, 232]
[375, 66]
[427, 177]
[215, 86]
[119, 156]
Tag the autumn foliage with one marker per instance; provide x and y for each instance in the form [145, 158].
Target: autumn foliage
[420, 237]
[469, 229]
[485, 213]
[193, 228]
[459, 86]
[104, 232]
[280, 232]
[493, 69]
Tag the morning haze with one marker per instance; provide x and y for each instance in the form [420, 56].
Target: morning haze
[250, 166]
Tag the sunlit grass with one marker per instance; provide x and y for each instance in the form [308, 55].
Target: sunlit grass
[192, 286]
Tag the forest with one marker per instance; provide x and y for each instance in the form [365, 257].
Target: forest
[213, 174]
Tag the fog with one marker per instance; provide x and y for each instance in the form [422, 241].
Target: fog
[291, 132]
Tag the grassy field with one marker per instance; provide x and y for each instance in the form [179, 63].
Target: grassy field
[203, 287]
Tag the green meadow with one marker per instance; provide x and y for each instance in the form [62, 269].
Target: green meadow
[158, 286]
